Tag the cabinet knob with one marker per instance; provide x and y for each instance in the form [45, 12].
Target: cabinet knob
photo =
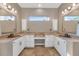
[14, 42]
[58, 43]
[20, 43]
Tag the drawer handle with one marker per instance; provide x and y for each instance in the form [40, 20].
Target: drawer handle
[58, 43]
[20, 43]
[14, 42]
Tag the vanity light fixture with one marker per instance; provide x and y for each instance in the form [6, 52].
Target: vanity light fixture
[69, 8]
[12, 9]
[9, 7]
[15, 11]
[74, 4]
[63, 12]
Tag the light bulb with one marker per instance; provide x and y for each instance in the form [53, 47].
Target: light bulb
[12, 9]
[69, 8]
[74, 4]
[9, 6]
[65, 10]
[15, 11]
[62, 12]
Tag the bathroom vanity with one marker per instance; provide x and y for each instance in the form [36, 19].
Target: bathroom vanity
[14, 46]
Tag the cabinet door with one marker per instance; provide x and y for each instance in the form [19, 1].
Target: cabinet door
[18, 46]
[63, 48]
[15, 48]
[29, 42]
[49, 42]
[21, 43]
[55, 42]
[60, 46]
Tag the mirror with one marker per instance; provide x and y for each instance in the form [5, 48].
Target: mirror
[7, 22]
[70, 22]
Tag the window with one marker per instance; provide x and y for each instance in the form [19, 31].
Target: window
[7, 18]
[38, 18]
[71, 18]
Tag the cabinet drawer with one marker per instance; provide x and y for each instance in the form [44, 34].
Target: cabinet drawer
[49, 36]
[49, 39]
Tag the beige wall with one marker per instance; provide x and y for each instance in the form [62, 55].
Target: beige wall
[38, 26]
[52, 13]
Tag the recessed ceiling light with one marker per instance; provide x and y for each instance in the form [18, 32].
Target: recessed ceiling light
[39, 5]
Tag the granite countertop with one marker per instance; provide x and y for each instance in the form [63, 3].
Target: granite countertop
[22, 34]
[73, 38]
[17, 35]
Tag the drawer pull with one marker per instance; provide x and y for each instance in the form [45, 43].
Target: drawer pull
[58, 43]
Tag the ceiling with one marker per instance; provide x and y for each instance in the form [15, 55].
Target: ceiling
[39, 5]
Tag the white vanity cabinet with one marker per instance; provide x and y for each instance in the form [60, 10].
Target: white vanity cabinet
[56, 43]
[60, 45]
[49, 41]
[63, 47]
[29, 41]
[18, 46]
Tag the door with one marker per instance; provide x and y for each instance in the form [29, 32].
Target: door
[55, 25]
[49, 41]
[24, 25]
[29, 42]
